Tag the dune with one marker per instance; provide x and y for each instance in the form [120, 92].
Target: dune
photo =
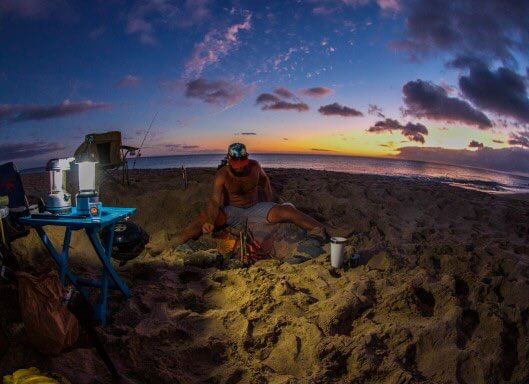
[440, 295]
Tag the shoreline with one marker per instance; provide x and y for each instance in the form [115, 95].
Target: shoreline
[495, 188]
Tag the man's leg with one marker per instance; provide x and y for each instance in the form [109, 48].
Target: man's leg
[194, 229]
[289, 214]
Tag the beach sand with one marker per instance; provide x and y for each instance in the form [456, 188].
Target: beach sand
[441, 295]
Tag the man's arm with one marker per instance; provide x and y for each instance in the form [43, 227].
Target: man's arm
[214, 203]
[264, 182]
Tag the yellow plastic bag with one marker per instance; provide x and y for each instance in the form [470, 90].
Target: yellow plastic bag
[33, 376]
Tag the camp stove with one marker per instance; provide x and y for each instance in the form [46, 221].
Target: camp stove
[87, 200]
[59, 201]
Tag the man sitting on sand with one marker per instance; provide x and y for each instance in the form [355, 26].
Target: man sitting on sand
[235, 200]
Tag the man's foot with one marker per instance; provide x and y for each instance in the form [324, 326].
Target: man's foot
[320, 234]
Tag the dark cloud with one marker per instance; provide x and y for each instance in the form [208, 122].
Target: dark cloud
[521, 139]
[316, 92]
[248, 133]
[487, 28]
[190, 146]
[336, 109]
[498, 141]
[414, 132]
[219, 92]
[271, 102]
[173, 147]
[12, 151]
[285, 106]
[425, 99]
[128, 81]
[475, 144]
[15, 113]
[266, 98]
[321, 150]
[284, 93]
[504, 159]
[502, 91]
[375, 110]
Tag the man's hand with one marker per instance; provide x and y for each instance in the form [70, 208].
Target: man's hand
[207, 227]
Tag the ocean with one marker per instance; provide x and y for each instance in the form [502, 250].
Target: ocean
[465, 177]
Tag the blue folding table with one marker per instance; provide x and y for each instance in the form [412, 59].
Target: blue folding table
[92, 226]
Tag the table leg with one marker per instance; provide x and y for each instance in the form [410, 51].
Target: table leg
[64, 253]
[108, 271]
[60, 260]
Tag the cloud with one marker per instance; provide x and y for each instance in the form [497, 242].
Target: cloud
[487, 28]
[248, 133]
[426, 99]
[328, 7]
[175, 147]
[414, 132]
[497, 141]
[321, 150]
[336, 109]
[316, 92]
[37, 9]
[270, 102]
[389, 5]
[502, 91]
[266, 98]
[322, 10]
[24, 150]
[283, 92]
[475, 144]
[285, 106]
[128, 81]
[219, 92]
[521, 139]
[142, 18]
[504, 159]
[216, 44]
[375, 110]
[15, 113]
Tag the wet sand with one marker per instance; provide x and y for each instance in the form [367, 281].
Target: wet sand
[441, 295]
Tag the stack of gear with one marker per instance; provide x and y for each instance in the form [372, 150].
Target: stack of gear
[34, 376]
[129, 241]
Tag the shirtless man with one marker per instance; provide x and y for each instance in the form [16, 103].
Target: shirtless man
[235, 199]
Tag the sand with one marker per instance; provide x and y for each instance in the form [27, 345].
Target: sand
[441, 295]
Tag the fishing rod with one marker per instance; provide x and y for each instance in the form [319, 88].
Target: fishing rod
[144, 138]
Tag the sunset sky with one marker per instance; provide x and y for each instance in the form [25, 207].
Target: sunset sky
[359, 77]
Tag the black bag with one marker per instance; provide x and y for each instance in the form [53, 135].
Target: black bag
[129, 241]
